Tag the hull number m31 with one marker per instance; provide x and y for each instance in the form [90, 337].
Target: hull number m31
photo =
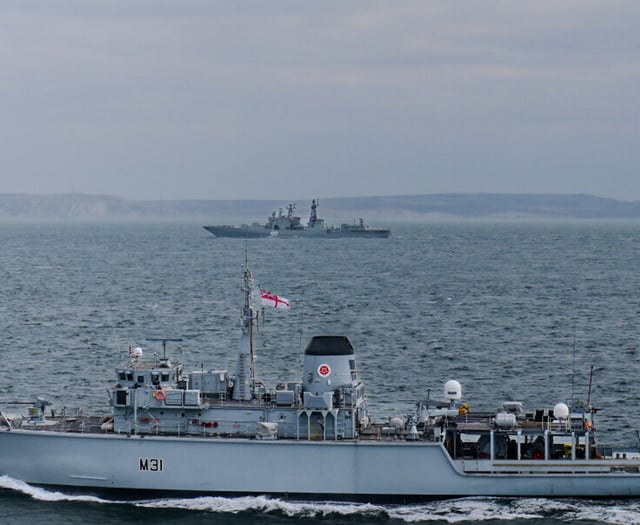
[151, 465]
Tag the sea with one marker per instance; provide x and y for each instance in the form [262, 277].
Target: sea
[533, 311]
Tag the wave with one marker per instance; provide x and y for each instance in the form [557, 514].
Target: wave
[265, 504]
[41, 494]
[463, 510]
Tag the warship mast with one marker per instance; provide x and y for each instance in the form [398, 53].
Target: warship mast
[243, 388]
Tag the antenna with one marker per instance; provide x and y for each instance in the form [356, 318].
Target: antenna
[113, 327]
[573, 365]
[590, 384]
[300, 350]
[301, 327]
[164, 341]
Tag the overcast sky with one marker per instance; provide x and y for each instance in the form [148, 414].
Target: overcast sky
[270, 99]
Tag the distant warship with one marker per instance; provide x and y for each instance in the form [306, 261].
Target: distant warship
[288, 225]
[209, 431]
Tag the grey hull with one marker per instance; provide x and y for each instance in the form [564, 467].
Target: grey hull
[358, 469]
[239, 232]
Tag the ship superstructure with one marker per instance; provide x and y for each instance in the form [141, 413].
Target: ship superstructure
[328, 403]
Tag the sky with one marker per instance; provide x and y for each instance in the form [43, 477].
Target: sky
[206, 99]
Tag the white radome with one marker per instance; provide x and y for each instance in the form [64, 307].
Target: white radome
[561, 411]
[452, 390]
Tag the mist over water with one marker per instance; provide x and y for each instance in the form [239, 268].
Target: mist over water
[514, 311]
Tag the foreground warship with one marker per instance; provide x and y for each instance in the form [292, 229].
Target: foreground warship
[290, 225]
[216, 432]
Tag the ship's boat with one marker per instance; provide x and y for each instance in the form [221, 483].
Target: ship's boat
[212, 431]
[288, 225]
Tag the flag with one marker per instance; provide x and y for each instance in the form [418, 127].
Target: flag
[271, 299]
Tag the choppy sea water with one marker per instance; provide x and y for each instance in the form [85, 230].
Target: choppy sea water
[514, 311]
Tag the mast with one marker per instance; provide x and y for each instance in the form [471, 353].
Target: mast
[313, 217]
[249, 315]
[164, 360]
[243, 388]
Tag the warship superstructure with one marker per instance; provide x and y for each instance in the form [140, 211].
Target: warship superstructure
[212, 431]
[287, 225]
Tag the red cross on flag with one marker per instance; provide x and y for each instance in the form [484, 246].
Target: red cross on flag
[273, 300]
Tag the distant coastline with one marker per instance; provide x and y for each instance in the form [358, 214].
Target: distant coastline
[375, 210]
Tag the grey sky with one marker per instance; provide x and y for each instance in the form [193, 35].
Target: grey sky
[277, 100]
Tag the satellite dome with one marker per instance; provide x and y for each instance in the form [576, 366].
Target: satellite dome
[452, 390]
[397, 422]
[561, 411]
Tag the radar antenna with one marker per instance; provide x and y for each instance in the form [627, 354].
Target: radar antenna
[164, 341]
[590, 385]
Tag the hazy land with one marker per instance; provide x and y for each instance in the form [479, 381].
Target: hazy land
[375, 210]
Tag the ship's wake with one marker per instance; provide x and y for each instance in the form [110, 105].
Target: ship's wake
[41, 494]
[275, 506]
[463, 510]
